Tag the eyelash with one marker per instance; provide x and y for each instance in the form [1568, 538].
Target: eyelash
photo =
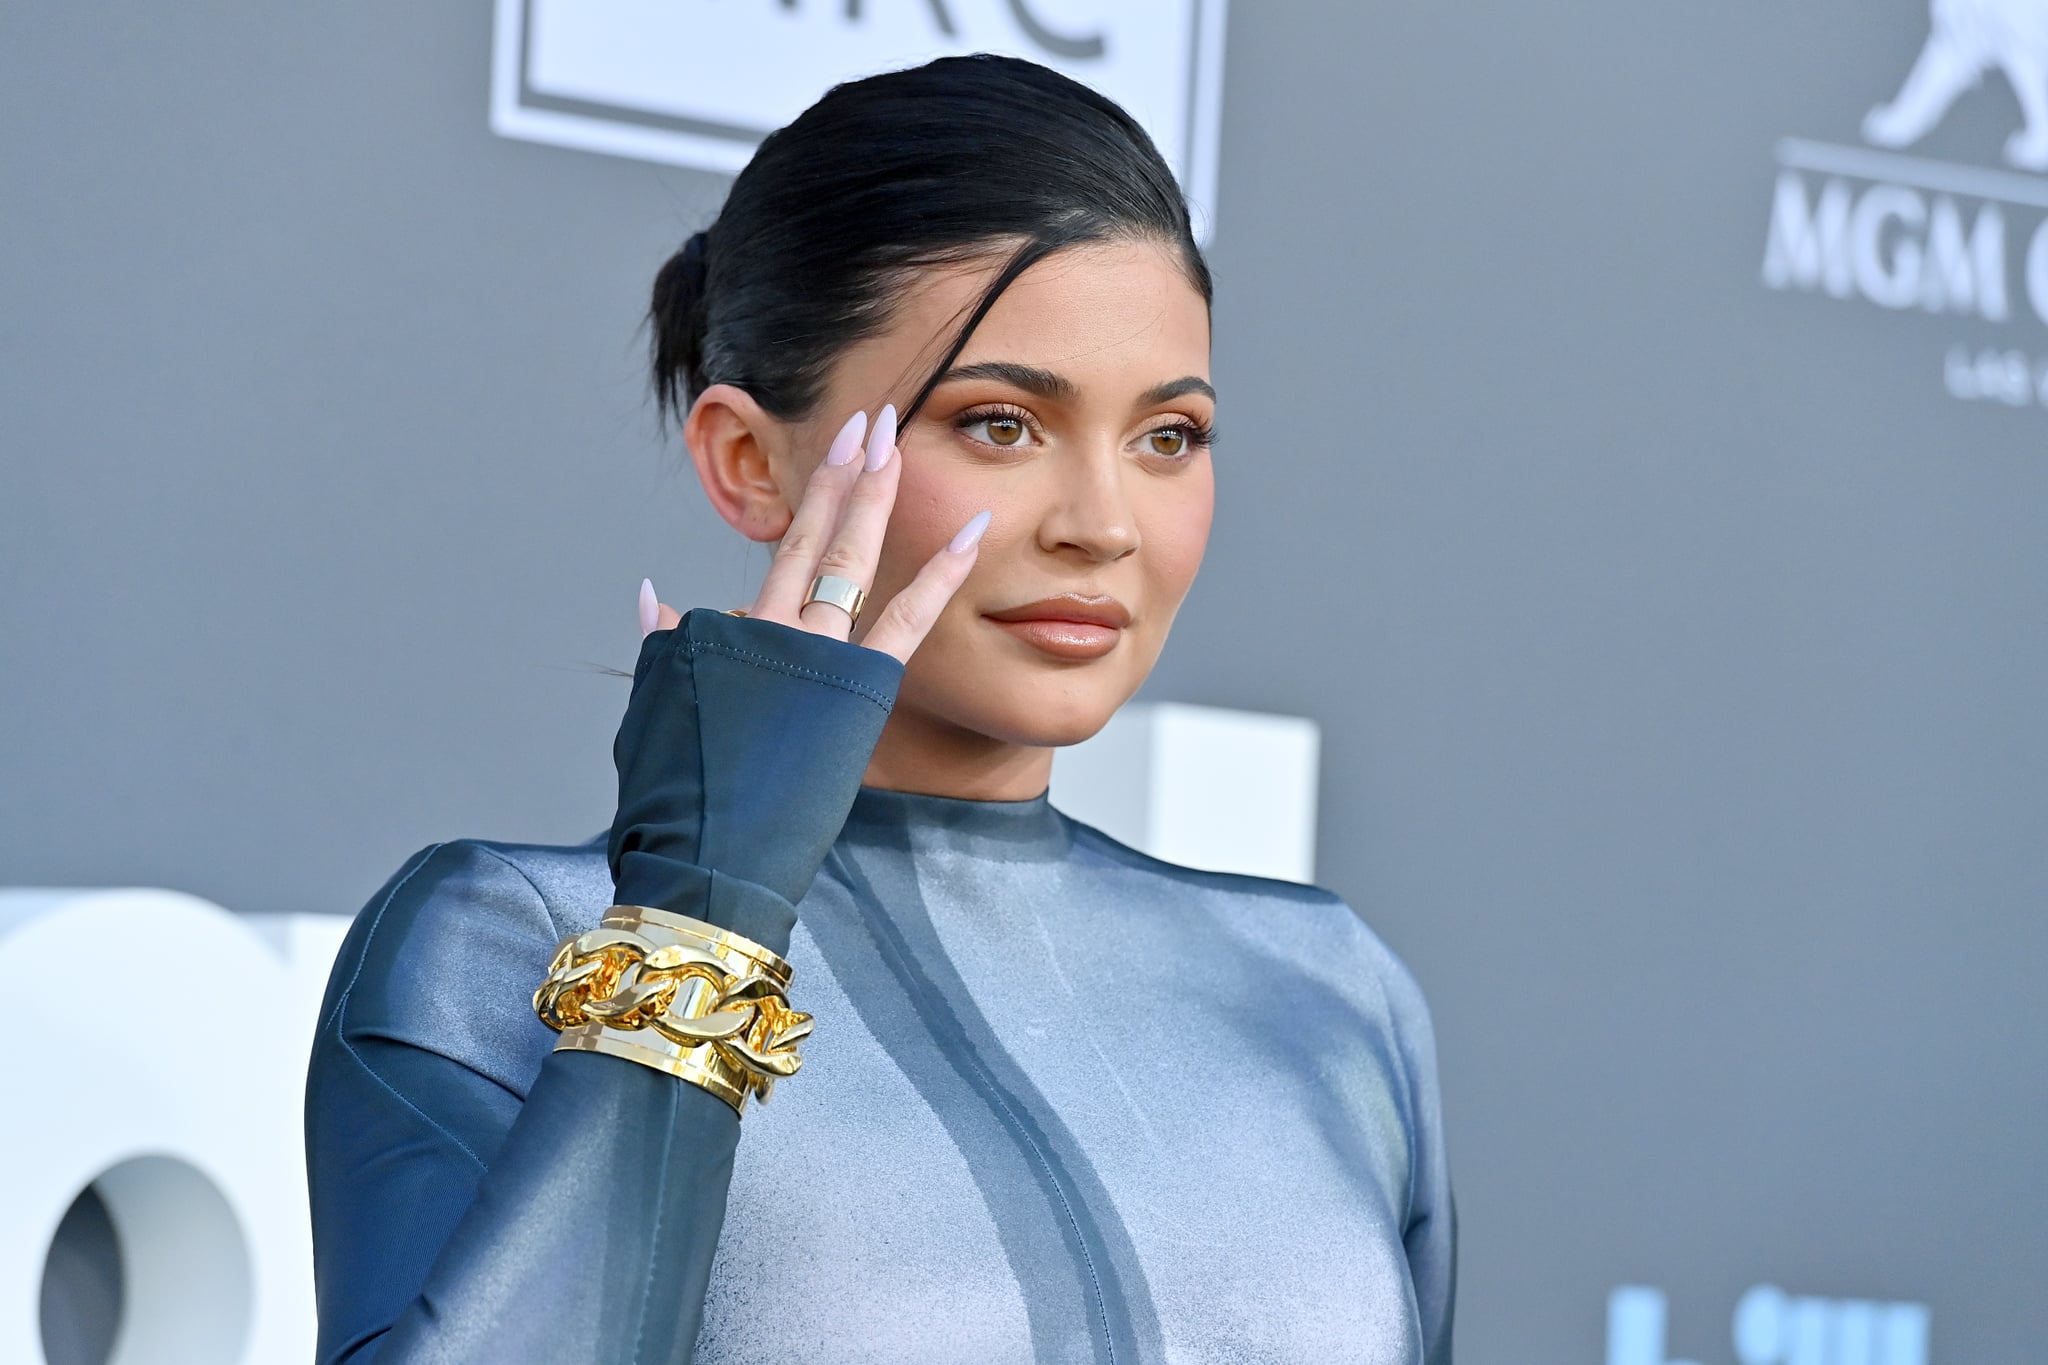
[1200, 435]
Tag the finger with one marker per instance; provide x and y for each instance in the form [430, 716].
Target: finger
[655, 614]
[796, 558]
[855, 545]
[903, 624]
[650, 613]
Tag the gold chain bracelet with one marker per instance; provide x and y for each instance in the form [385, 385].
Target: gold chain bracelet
[685, 997]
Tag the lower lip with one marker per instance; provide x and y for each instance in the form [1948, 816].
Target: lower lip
[1078, 640]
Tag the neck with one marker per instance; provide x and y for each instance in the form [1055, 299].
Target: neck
[931, 757]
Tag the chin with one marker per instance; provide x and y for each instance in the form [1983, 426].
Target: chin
[1026, 707]
[1057, 731]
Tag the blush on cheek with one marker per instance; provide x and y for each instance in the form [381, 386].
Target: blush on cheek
[935, 497]
[1177, 535]
[922, 485]
[930, 510]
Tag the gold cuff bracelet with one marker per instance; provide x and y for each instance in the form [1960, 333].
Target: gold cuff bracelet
[699, 1002]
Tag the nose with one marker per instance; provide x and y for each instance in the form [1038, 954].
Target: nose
[1091, 514]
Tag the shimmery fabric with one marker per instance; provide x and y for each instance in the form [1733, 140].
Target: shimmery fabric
[1064, 1102]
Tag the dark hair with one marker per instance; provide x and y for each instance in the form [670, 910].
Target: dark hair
[938, 164]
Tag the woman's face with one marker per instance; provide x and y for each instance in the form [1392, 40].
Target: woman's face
[1078, 415]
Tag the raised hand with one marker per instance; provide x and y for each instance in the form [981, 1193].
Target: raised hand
[837, 532]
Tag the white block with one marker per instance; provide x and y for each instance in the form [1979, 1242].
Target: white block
[700, 84]
[1221, 790]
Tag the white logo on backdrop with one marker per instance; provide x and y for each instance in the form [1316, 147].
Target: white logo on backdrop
[1771, 1327]
[194, 1143]
[1969, 38]
[1915, 234]
[700, 82]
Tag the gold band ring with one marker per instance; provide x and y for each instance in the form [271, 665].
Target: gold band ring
[834, 591]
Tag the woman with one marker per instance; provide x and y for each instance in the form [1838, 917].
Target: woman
[1064, 1102]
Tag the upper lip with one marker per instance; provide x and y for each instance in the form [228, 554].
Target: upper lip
[1101, 610]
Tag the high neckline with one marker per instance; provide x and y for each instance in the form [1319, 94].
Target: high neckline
[1011, 829]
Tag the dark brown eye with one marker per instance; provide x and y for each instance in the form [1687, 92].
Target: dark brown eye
[1168, 441]
[1004, 431]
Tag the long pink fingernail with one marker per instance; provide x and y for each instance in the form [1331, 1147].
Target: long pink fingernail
[882, 439]
[969, 534]
[650, 608]
[846, 444]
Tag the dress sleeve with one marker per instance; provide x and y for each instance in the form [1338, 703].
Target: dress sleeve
[457, 1219]
[1430, 1235]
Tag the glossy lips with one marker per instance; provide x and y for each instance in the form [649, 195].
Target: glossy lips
[1068, 625]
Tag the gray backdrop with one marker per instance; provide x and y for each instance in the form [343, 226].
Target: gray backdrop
[1678, 642]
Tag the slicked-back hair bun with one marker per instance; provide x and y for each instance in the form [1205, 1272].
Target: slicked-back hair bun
[676, 318]
[938, 164]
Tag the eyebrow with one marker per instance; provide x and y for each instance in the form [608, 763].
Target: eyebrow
[1046, 384]
[1030, 378]
[1174, 388]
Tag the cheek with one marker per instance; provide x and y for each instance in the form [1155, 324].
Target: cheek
[1177, 530]
[932, 503]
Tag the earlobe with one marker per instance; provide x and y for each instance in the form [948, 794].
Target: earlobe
[728, 435]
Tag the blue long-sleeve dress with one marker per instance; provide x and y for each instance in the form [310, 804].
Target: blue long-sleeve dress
[1063, 1102]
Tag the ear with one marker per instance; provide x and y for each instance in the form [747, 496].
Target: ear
[731, 439]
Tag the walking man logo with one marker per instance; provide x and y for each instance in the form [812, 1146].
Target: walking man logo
[1969, 38]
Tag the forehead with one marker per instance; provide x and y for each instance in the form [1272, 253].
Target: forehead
[1107, 315]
